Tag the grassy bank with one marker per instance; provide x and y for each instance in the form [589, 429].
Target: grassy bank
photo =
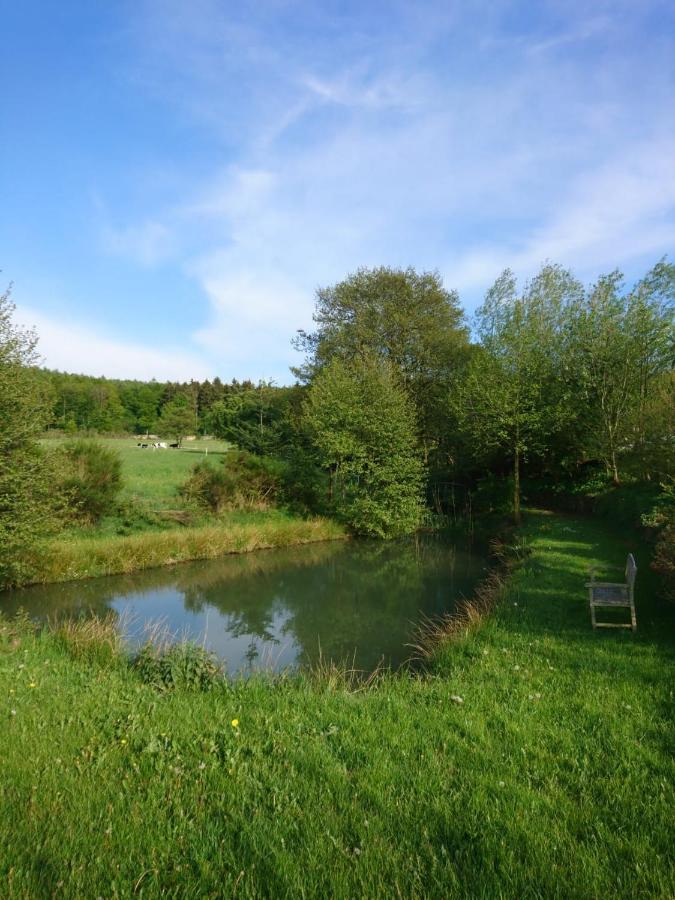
[76, 557]
[154, 527]
[532, 761]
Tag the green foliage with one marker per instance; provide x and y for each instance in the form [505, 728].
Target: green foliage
[622, 343]
[259, 420]
[177, 419]
[403, 317]
[661, 518]
[26, 510]
[240, 481]
[364, 428]
[513, 397]
[185, 666]
[90, 478]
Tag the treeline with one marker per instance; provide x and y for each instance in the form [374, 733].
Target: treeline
[399, 414]
[123, 406]
[402, 413]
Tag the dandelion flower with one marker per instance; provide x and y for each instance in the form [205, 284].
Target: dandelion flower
[123, 741]
[32, 684]
[235, 723]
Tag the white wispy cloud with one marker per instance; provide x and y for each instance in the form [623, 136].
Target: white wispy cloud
[72, 347]
[402, 148]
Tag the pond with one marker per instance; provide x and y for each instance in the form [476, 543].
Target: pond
[356, 601]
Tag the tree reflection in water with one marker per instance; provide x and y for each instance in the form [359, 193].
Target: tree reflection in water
[355, 602]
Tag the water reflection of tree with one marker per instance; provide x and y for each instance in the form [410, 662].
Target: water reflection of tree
[333, 597]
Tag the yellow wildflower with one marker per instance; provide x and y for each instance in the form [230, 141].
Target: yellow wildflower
[32, 684]
[235, 723]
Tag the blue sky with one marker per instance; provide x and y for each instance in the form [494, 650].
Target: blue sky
[178, 177]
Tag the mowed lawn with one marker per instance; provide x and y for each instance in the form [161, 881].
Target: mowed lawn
[534, 759]
[152, 477]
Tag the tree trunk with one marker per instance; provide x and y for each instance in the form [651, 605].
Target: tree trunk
[516, 486]
[615, 468]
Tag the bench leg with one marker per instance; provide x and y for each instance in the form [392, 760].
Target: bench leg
[633, 619]
[593, 622]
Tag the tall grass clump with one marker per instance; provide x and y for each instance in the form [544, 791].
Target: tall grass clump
[471, 612]
[93, 640]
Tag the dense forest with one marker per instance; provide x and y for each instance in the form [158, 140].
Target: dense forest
[402, 414]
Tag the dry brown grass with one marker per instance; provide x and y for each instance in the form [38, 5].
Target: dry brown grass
[67, 560]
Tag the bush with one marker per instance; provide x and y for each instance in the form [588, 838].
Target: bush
[184, 665]
[242, 481]
[661, 518]
[91, 479]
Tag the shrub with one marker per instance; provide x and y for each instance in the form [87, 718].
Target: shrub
[661, 518]
[242, 481]
[184, 665]
[91, 479]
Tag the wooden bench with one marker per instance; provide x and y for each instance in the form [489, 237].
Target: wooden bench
[606, 594]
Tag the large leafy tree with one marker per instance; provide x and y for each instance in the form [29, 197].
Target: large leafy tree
[363, 426]
[515, 396]
[25, 509]
[401, 316]
[622, 346]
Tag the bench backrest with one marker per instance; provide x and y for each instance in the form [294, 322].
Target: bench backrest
[631, 569]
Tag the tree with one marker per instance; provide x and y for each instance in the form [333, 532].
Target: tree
[25, 509]
[623, 345]
[177, 418]
[258, 419]
[363, 426]
[406, 318]
[514, 395]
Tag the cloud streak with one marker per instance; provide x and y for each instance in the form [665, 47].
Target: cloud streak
[71, 347]
[463, 137]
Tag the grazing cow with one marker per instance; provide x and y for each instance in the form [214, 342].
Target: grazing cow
[174, 446]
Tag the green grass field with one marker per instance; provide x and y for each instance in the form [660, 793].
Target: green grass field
[152, 477]
[533, 760]
[153, 527]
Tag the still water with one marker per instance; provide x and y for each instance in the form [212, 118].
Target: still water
[356, 601]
